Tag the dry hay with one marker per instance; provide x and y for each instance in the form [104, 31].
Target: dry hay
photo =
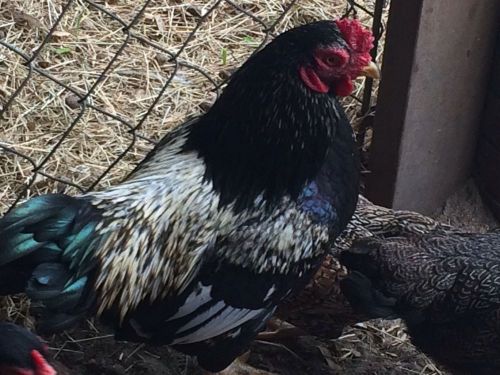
[83, 45]
[381, 347]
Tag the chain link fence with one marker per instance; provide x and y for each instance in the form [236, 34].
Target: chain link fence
[87, 87]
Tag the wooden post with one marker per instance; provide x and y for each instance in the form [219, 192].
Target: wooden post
[437, 59]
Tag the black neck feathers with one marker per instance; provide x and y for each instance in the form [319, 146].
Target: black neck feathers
[268, 133]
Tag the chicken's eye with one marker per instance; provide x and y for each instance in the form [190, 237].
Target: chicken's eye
[332, 60]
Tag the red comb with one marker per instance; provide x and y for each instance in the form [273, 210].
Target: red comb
[359, 38]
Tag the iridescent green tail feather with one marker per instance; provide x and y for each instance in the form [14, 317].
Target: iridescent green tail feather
[47, 248]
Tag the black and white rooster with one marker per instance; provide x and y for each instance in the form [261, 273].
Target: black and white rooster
[230, 213]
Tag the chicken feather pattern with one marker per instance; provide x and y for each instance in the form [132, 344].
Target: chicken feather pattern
[446, 286]
[159, 251]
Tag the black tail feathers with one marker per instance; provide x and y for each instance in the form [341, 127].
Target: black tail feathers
[46, 248]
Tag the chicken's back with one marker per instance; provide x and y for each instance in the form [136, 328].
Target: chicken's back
[445, 287]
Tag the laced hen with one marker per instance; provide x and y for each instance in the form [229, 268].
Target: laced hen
[230, 213]
[445, 286]
[22, 353]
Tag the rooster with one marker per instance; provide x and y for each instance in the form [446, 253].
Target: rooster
[228, 215]
[445, 286]
[22, 353]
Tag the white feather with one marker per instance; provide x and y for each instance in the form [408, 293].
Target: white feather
[197, 298]
[216, 320]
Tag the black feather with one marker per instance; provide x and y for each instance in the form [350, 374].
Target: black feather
[268, 134]
[364, 297]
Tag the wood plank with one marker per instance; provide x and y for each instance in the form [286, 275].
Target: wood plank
[435, 73]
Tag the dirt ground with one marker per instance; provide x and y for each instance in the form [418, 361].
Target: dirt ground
[334, 342]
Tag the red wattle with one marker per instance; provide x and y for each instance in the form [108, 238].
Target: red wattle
[311, 80]
[41, 364]
[344, 86]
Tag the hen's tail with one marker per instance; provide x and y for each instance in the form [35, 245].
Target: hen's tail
[46, 250]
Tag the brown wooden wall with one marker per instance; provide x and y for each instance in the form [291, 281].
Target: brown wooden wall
[487, 167]
[437, 61]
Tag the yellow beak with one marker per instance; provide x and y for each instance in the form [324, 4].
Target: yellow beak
[371, 70]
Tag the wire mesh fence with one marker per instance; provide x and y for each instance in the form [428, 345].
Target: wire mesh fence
[87, 87]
